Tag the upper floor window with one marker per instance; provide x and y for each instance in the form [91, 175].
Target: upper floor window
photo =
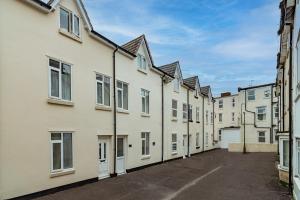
[220, 117]
[122, 93]
[145, 101]
[103, 89]
[276, 111]
[60, 80]
[197, 114]
[176, 83]
[267, 93]
[174, 108]
[141, 61]
[221, 103]
[251, 95]
[206, 117]
[197, 139]
[262, 136]
[232, 116]
[211, 117]
[69, 21]
[184, 111]
[261, 113]
[233, 102]
[298, 67]
[174, 143]
[145, 143]
[190, 112]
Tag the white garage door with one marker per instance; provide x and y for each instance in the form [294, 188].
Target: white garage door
[229, 136]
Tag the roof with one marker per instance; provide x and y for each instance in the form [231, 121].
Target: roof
[191, 81]
[205, 90]
[169, 69]
[134, 45]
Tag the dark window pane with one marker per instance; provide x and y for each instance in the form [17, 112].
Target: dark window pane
[99, 93]
[76, 25]
[55, 136]
[120, 147]
[68, 158]
[106, 91]
[125, 96]
[56, 154]
[54, 63]
[54, 83]
[66, 82]
[64, 19]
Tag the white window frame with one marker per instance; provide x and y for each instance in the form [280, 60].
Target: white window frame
[50, 68]
[142, 62]
[281, 149]
[61, 152]
[103, 94]
[122, 95]
[220, 103]
[174, 110]
[174, 143]
[176, 82]
[145, 140]
[184, 112]
[144, 94]
[251, 95]
[267, 94]
[197, 139]
[197, 114]
[71, 22]
[190, 112]
[220, 117]
[264, 114]
[261, 137]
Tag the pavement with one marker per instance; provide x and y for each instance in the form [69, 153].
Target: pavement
[213, 175]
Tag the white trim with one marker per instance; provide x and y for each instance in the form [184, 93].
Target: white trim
[122, 109]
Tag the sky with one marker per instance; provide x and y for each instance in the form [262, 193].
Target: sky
[227, 43]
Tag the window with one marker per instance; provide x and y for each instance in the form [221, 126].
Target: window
[145, 143]
[61, 151]
[298, 65]
[174, 108]
[197, 139]
[69, 21]
[60, 80]
[298, 155]
[103, 89]
[232, 116]
[122, 92]
[221, 103]
[220, 134]
[206, 138]
[262, 136]
[267, 93]
[145, 101]
[211, 117]
[276, 111]
[251, 95]
[184, 111]
[206, 117]
[261, 113]
[233, 102]
[196, 93]
[190, 113]
[176, 82]
[220, 117]
[174, 143]
[197, 114]
[285, 153]
[141, 61]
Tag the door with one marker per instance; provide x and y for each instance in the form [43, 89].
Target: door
[120, 155]
[185, 145]
[103, 158]
[229, 136]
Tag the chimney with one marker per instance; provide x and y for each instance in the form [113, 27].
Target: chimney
[225, 94]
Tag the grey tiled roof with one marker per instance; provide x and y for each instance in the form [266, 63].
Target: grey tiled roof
[169, 68]
[191, 81]
[133, 45]
[205, 90]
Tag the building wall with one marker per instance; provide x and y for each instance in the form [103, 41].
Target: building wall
[208, 126]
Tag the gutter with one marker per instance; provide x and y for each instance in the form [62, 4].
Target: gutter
[162, 118]
[40, 5]
[115, 112]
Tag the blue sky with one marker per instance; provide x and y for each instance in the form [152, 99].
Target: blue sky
[227, 43]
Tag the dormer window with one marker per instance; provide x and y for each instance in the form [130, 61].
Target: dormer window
[69, 21]
[141, 61]
[176, 82]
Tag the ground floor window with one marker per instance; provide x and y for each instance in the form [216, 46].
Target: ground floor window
[197, 139]
[174, 143]
[298, 155]
[220, 135]
[145, 143]
[261, 136]
[285, 153]
[206, 138]
[61, 151]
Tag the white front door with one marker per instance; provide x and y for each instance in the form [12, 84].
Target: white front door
[185, 145]
[120, 155]
[103, 158]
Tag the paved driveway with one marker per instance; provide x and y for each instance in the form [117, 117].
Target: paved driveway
[211, 175]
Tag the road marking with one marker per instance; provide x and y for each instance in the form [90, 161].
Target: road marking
[190, 184]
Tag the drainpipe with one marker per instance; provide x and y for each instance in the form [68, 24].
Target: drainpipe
[202, 122]
[213, 120]
[291, 110]
[188, 122]
[244, 145]
[115, 110]
[162, 118]
[271, 131]
[283, 101]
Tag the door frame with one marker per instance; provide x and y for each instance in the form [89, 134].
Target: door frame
[108, 156]
[125, 153]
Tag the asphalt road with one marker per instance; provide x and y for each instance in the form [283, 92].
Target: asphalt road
[214, 175]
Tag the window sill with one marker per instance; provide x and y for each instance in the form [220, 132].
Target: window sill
[102, 107]
[198, 122]
[146, 157]
[142, 71]
[286, 169]
[174, 153]
[119, 110]
[174, 119]
[190, 120]
[198, 147]
[145, 115]
[62, 173]
[69, 35]
[60, 102]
